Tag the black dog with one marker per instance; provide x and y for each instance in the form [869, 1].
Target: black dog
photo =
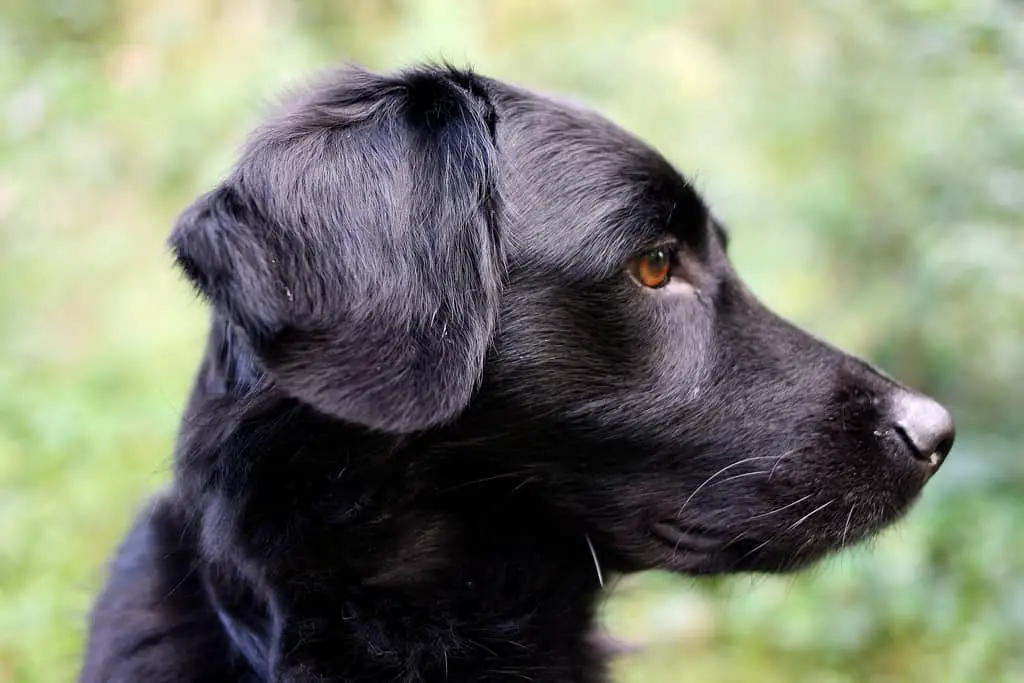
[470, 348]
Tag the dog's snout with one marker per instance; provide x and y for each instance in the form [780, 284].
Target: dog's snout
[925, 426]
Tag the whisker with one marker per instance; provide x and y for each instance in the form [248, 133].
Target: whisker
[795, 557]
[743, 533]
[524, 482]
[791, 527]
[709, 479]
[809, 515]
[740, 476]
[781, 457]
[780, 509]
[846, 529]
[597, 565]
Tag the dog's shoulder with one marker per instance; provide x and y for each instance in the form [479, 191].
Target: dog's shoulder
[152, 621]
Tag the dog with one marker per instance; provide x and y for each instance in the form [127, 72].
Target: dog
[472, 350]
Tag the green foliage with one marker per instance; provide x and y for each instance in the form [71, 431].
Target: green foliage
[868, 156]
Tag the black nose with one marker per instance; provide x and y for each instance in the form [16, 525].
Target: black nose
[925, 426]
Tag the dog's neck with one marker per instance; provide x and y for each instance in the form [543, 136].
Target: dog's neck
[336, 558]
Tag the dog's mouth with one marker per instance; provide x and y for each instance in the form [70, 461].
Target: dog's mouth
[687, 538]
[692, 548]
[700, 550]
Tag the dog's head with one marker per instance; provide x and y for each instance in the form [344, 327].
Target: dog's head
[438, 255]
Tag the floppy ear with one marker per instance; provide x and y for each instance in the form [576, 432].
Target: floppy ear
[356, 246]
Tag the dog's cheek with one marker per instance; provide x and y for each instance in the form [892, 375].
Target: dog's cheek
[558, 348]
[676, 338]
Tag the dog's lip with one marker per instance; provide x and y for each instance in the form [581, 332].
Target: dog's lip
[687, 538]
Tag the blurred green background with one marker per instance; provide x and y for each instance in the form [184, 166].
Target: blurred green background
[867, 154]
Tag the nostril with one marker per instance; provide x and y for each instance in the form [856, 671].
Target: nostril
[946, 445]
[925, 426]
[925, 455]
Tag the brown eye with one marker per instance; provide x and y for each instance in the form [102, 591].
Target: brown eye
[653, 268]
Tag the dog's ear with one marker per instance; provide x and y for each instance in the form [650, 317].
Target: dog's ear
[356, 245]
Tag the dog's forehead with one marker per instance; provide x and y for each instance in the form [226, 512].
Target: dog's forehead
[580, 188]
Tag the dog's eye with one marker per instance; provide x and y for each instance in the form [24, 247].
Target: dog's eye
[653, 268]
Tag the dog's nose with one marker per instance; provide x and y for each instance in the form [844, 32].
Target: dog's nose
[925, 426]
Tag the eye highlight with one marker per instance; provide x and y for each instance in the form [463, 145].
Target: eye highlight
[652, 269]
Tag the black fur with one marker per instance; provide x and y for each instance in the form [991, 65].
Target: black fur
[432, 389]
